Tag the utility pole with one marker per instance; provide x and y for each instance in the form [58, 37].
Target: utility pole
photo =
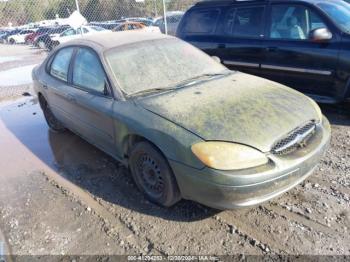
[165, 18]
[77, 5]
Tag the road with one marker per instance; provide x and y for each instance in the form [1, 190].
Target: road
[60, 195]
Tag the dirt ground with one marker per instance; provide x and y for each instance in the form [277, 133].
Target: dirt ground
[61, 196]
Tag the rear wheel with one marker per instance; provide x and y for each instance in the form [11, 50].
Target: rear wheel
[12, 41]
[153, 175]
[51, 120]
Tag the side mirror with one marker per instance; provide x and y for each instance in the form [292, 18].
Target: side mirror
[216, 59]
[320, 35]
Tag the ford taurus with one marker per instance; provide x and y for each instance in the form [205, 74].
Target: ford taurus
[184, 125]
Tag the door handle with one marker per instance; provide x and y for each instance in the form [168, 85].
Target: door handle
[221, 46]
[272, 49]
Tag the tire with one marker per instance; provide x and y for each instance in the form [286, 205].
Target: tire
[51, 120]
[153, 175]
[12, 41]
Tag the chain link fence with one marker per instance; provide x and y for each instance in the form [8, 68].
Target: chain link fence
[29, 28]
[34, 13]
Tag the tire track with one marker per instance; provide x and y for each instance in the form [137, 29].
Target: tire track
[245, 230]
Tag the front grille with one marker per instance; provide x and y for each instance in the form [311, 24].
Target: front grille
[296, 139]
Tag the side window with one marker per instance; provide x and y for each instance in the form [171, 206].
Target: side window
[88, 72]
[60, 64]
[245, 22]
[293, 22]
[315, 21]
[201, 21]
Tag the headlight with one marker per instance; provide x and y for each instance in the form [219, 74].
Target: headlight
[317, 108]
[228, 156]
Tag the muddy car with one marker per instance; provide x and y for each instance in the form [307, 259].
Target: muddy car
[186, 129]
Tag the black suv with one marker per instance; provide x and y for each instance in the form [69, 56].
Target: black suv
[304, 44]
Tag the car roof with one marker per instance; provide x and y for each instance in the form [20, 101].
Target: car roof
[107, 40]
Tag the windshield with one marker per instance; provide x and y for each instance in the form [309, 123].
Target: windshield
[339, 12]
[158, 64]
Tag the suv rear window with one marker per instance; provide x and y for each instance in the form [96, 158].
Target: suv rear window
[201, 21]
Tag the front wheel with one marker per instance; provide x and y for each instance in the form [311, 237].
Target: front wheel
[153, 175]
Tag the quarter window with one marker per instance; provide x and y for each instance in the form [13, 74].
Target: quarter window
[202, 21]
[60, 64]
[88, 72]
[293, 22]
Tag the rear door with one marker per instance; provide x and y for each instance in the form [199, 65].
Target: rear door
[92, 100]
[199, 28]
[291, 57]
[57, 87]
[240, 38]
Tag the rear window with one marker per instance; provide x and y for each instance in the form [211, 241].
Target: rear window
[201, 21]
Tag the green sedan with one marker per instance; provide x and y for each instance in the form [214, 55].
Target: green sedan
[184, 125]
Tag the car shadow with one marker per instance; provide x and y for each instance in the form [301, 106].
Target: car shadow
[88, 167]
[337, 114]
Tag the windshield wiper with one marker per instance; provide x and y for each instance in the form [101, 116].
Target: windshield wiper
[152, 90]
[187, 82]
[196, 79]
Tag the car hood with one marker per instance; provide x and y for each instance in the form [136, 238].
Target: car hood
[239, 108]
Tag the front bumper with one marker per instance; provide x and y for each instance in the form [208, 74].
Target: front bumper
[236, 189]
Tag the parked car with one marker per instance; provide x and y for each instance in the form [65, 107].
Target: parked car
[145, 21]
[29, 39]
[302, 44]
[44, 41]
[106, 25]
[72, 33]
[3, 34]
[128, 26]
[4, 37]
[173, 20]
[19, 38]
[186, 130]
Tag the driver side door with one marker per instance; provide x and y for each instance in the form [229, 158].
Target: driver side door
[291, 57]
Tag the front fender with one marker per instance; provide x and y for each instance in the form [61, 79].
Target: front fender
[172, 140]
